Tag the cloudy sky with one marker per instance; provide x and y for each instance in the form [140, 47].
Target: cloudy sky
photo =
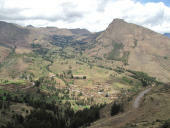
[94, 15]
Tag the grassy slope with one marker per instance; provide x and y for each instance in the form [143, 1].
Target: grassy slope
[152, 113]
[154, 110]
[4, 52]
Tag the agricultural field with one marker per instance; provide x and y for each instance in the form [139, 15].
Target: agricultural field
[87, 79]
[69, 78]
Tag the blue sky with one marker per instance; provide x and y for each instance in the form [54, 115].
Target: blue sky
[166, 2]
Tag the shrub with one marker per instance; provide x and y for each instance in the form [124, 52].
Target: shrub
[165, 57]
[116, 108]
[166, 124]
[115, 53]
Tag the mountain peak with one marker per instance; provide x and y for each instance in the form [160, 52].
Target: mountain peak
[117, 24]
[135, 45]
[117, 20]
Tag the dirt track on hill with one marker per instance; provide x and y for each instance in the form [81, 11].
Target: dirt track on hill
[139, 97]
[123, 118]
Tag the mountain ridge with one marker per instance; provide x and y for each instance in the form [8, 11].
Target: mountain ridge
[132, 46]
[80, 72]
[139, 48]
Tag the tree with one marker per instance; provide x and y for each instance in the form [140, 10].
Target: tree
[37, 83]
[166, 124]
[116, 108]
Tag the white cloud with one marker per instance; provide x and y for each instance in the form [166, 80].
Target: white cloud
[94, 15]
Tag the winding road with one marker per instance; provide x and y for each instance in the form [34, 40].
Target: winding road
[139, 97]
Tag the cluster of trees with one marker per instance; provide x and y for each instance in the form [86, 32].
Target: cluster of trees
[27, 76]
[41, 51]
[166, 124]
[127, 80]
[36, 100]
[47, 111]
[144, 78]
[105, 67]
[56, 117]
[48, 81]
[117, 106]
[35, 45]
[64, 41]
[119, 70]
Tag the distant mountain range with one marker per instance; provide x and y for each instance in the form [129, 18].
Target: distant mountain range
[167, 34]
[131, 46]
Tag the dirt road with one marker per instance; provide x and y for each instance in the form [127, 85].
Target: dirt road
[123, 118]
[139, 97]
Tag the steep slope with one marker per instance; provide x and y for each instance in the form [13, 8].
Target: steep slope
[12, 35]
[138, 48]
[22, 38]
[4, 52]
[152, 112]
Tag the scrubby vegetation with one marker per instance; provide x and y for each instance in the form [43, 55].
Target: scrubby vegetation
[48, 111]
[115, 53]
[125, 57]
[65, 41]
[119, 70]
[135, 43]
[116, 108]
[56, 119]
[166, 124]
